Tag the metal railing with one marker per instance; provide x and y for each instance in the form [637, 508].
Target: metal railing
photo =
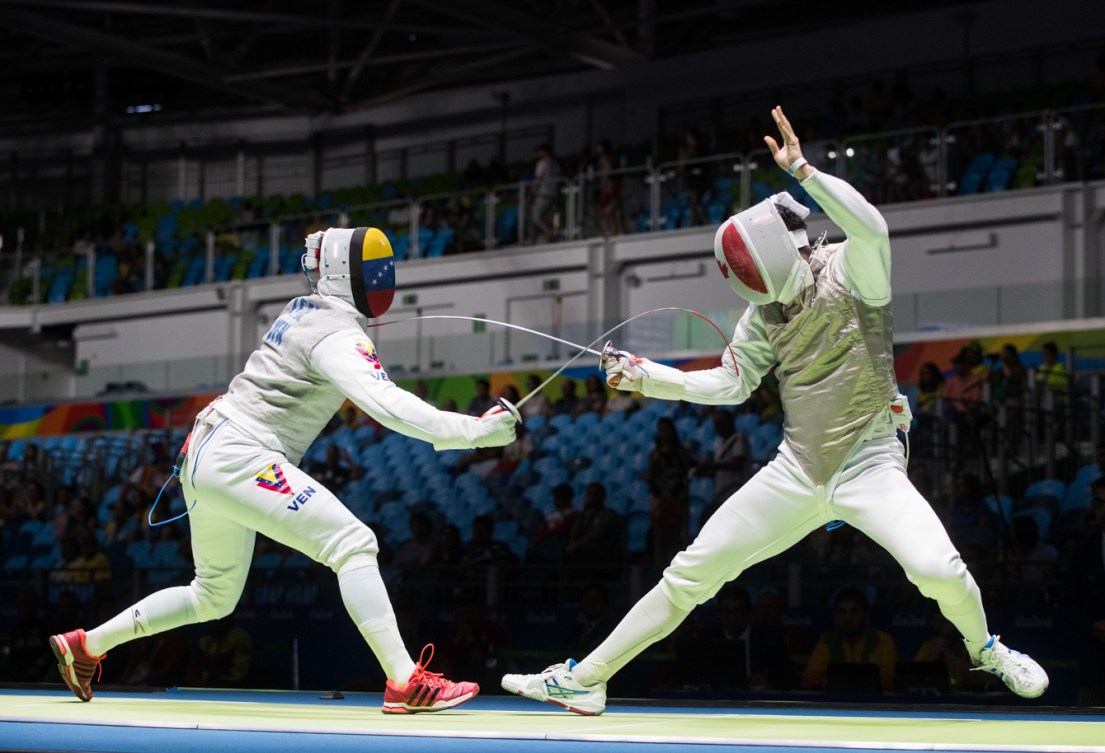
[991, 154]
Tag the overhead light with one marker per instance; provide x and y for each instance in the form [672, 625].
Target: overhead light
[139, 109]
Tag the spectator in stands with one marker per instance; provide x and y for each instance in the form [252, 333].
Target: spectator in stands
[597, 537]
[337, 469]
[691, 176]
[1084, 602]
[418, 551]
[972, 351]
[483, 550]
[963, 392]
[28, 503]
[351, 418]
[448, 549]
[120, 526]
[925, 404]
[740, 653]
[971, 525]
[467, 234]
[610, 192]
[622, 402]
[31, 467]
[482, 402]
[569, 402]
[945, 646]
[669, 464]
[1033, 560]
[1008, 382]
[550, 538]
[161, 661]
[475, 645]
[729, 462]
[853, 642]
[66, 512]
[225, 656]
[145, 481]
[595, 399]
[1052, 384]
[543, 192]
[481, 461]
[538, 405]
[768, 613]
[593, 621]
[129, 266]
[83, 246]
[399, 219]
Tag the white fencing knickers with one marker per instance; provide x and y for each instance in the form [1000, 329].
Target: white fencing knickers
[776, 509]
[240, 488]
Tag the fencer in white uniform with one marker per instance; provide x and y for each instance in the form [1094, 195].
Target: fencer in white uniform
[822, 318]
[240, 471]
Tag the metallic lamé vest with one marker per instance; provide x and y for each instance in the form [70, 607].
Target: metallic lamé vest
[836, 368]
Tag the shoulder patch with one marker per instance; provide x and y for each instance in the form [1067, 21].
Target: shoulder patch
[368, 352]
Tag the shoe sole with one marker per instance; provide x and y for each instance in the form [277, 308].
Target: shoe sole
[573, 709]
[402, 708]
[64, 656]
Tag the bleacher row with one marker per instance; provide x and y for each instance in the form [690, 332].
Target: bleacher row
[1057, 508]
[403, 475]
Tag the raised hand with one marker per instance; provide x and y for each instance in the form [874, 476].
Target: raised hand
[790, 151]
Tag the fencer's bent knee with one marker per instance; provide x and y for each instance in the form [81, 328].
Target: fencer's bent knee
[352, 544]
[944, 578]
[215, 598]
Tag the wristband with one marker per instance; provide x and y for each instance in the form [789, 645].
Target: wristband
[796, 165]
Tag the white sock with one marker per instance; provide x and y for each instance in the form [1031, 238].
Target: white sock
[969, 619]
[158, 612]
[366, 600]
[650, 619]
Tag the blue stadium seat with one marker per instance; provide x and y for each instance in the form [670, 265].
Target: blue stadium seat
[969, 183]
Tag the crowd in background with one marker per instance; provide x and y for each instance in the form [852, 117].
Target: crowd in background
[578, 550]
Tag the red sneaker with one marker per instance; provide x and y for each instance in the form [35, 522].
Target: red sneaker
[75, 664]
[426, 691]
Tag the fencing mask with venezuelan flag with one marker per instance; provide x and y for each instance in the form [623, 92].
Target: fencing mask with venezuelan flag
[354, 264]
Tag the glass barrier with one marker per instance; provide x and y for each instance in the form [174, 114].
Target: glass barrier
[985, 155]
[508, 210]
[615, 202]
[451, 223]
[696, 192]
[893, 166]
[995, 154]
[1077, 136]
[978, 306]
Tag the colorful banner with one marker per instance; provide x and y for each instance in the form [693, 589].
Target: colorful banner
[70, 418]
[30, 421]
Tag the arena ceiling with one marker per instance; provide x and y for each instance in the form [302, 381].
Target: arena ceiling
[73, 64]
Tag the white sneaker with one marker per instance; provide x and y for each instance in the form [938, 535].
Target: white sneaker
[1020, 672]
[557, 686]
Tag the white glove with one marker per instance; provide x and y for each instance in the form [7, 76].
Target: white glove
[624, 371]
[496, 426]
[900, 412]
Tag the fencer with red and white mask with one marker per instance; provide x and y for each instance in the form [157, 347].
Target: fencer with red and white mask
[241, 475]
[821, 317]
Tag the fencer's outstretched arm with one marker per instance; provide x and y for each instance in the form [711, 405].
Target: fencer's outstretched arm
[346, 358]
[728, 384]
[866, 253]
